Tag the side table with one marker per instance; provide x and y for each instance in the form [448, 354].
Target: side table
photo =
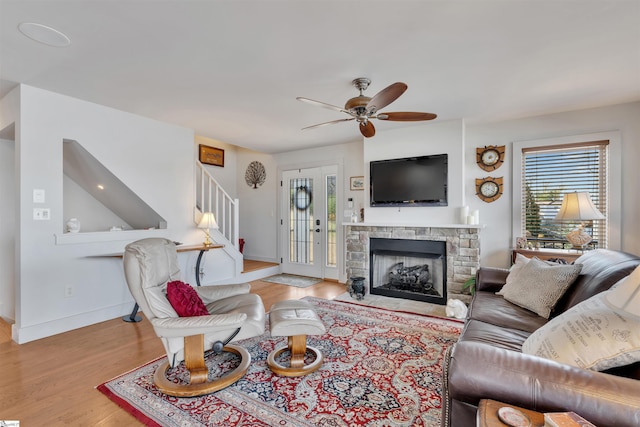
[487, 415]
[544, 254]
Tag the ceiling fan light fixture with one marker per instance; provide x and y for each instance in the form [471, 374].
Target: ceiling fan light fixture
[354, 103]
[363, 108]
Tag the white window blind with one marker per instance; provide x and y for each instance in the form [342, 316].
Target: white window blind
[551, 171]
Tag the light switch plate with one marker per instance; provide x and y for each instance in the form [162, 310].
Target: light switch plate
[38, 195]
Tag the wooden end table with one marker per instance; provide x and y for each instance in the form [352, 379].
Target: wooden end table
[488, 414]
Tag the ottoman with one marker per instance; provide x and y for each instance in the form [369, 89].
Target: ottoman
[295, 319]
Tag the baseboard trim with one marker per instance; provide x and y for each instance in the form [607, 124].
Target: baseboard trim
[23, 335]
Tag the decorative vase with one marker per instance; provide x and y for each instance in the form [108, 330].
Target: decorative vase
[356, 287]
[73, 225]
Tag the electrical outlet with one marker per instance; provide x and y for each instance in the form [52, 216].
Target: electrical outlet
[42, 214]
[68, 291]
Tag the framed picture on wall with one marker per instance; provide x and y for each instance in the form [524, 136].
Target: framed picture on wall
[357, 183]
[211, 155]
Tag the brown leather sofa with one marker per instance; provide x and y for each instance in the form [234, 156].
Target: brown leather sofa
[487, 362]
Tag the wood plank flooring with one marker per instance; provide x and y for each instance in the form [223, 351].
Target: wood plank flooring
[51, 382]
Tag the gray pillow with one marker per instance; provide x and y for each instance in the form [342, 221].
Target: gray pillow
[537, 285]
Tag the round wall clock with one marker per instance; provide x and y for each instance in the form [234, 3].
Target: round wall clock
[489, 189]
[490, 157]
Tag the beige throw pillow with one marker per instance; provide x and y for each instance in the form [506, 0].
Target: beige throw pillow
[537, 286]
[514, 271]
[589, 335]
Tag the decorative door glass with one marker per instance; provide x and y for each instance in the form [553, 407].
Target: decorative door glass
[301, 224]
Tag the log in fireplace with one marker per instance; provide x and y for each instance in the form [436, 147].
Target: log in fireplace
[411, 269]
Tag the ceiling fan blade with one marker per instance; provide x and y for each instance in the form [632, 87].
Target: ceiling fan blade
[333, 122]
[406, 116]
[322, 104]
[385, 97]
[367, 129]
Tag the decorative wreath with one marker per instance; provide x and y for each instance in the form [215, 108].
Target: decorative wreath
[302, 197]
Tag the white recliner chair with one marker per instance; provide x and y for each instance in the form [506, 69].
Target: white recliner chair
[234, 314]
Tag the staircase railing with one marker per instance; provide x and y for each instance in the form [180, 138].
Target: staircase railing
[211, 197]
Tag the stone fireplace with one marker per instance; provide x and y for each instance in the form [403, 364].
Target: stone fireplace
[414, 262]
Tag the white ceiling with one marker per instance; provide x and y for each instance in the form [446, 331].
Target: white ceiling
[231, 70]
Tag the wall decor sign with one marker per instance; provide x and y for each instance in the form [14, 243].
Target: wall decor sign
[357, 182]
[211, 155]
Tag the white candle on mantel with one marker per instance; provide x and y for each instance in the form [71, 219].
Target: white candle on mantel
[476, 217]
[464, 214]
[470, 219]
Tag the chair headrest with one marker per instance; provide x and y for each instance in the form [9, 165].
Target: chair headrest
[157, 260]
[148, 265]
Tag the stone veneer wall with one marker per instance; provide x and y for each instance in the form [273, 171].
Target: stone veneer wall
[463, 251]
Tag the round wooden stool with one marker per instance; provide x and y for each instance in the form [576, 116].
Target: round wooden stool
[295, 319]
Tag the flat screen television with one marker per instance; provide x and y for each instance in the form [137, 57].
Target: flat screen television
[412, 181]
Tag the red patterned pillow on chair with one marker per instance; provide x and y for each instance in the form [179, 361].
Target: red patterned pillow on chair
[185, 300]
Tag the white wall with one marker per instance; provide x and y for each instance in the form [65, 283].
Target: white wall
[7, 230]
[419, 140]
[258, 208]
[146, 155]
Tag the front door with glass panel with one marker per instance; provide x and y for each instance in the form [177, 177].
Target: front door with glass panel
[309, 222]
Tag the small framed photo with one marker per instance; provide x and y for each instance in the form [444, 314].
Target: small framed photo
[211, 155]
[357, 182]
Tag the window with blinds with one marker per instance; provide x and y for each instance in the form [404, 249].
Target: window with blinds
[551, 171]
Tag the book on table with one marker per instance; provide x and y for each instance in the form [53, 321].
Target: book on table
[565, 419]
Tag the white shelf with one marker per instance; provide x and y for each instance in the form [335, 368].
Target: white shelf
[107, 236]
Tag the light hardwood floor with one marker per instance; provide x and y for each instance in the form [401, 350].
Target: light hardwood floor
[51, 382]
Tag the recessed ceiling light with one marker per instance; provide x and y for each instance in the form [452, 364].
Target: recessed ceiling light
[43, 34]
[100, 187]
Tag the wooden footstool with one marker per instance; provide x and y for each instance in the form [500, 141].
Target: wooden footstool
[295, 319]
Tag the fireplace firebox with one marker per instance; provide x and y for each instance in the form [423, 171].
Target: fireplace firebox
[411, 269]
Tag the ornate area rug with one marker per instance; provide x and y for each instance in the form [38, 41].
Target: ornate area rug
[381, 368]
[292, 280]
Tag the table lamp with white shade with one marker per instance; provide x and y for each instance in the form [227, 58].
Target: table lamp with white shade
[577, 206]
[208, 222]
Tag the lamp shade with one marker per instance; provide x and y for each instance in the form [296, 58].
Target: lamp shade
[625, 295]
[579, 207]
[208, 221]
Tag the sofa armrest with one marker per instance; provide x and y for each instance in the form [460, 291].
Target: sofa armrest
[491, 279]
[479, 371]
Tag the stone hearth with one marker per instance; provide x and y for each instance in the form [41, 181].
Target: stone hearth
[463, 250]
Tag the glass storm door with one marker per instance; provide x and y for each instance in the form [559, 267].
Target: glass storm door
[308, 225]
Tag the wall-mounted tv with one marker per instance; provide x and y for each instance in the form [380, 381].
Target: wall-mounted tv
[412, 181]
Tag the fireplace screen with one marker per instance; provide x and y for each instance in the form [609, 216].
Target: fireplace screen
[412, 269]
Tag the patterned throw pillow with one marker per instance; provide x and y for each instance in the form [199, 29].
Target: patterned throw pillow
[537, 286]
[589, 335]
[185, 300]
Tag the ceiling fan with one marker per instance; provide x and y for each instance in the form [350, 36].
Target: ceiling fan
[362, 108]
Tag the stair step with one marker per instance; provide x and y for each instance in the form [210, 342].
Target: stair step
[255, 270]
